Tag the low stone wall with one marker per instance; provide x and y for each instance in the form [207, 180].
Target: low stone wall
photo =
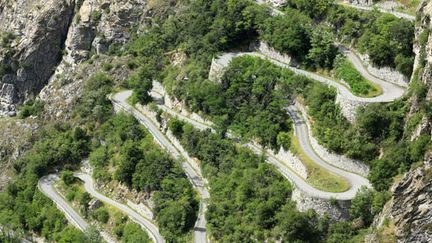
[349, 107]
[291, 160]
[337, 160]
[337, 210]
[385, 73]
[217, 70]
[360, 2]
[270, 52]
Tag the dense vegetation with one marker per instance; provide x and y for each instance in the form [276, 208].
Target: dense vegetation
[345, 71]
[311, 41]
[249, 199]
[388, 40]
[378, 127]
[22, 206]
[114, 142]
[123, 144]
[247, 101]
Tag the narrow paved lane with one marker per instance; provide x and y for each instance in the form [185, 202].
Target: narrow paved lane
[195, 176]
[390, 93]
[408, 17]
[148, 225]
[370, 8]
[45, 185]
[355, 180]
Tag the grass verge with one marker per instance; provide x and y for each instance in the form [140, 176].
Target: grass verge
[344, 70]
[319, 177]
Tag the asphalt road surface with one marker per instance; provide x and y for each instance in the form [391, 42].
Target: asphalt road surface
[45, 185]
[390, 93]
[355, 180]
[147, 224]
[197, 180]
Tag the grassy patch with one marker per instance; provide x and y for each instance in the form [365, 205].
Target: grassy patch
[318, 177]
[386, 233]
[360, 86]
[410, 6]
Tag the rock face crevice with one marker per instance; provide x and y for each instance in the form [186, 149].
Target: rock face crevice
[33, 34]
[410, 208]
[97, 27]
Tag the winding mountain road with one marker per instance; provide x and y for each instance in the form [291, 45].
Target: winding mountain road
[383, 10]
[120, 101]
[390, 92]
[276, 11]
[355, 180]
[45, 185]
[145, 223]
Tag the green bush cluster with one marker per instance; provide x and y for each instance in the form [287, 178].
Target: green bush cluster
[345, 71]
[249, 198]
[31, 108]
[142, 165]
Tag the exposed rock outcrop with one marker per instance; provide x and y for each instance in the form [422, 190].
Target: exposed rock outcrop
[98, 27]
[33, 34]
[362, 2]
[409, 212]
[36, 34]
[410, 209]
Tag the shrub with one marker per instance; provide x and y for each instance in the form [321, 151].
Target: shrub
[67, 177]
[101, 215]
[31, 108]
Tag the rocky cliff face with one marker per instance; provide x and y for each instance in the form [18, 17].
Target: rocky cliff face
[408, 214]
[98, 27]
[44, 41]
[423, 68]
[411, 208]
[32, 37]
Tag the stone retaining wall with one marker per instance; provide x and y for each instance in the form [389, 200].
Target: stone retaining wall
[337, 210]
[337, 160]
[217, 70]
[270, 52]
[385, 73]
[290, 160]
[349, 107]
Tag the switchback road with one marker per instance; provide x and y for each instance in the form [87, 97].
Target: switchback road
[197, 180]
[355, 180]
[145, 223]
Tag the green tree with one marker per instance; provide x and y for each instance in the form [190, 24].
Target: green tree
[71, 235]
[284, 140]
[323, 51]
[101, 215]
[132, 233]
[289, 33]
[92, 235]
[67, 177]
[312, 8]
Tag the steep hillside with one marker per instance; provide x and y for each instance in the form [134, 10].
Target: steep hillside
[408, 215]
[61, 59]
